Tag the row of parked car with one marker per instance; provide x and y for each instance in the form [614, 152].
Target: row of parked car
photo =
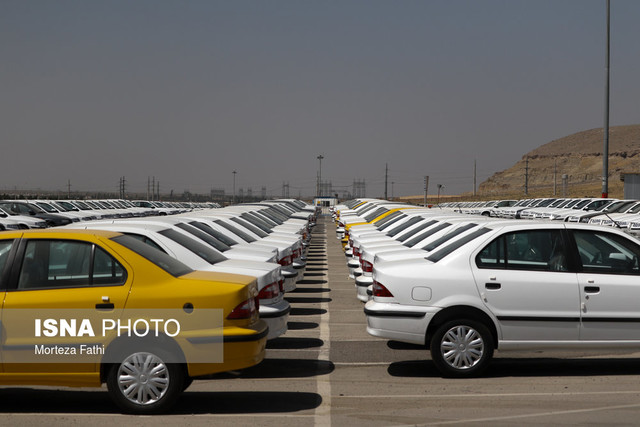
[466, 286]
[236, 261]
[25, 214]
[623, 214]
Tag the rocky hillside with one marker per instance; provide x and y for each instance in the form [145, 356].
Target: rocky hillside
[579, 156]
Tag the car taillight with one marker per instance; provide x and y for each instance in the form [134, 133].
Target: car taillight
[356, 251]
[367, 267]
[245, 310]
[269, 291]
[281, 285]
[285, 261]
[380, 291]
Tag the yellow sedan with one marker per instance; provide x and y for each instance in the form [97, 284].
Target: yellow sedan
[82, 308]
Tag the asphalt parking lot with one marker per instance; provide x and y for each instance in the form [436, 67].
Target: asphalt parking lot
[326, 370]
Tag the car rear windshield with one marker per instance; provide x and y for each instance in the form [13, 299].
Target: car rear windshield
[402, 227]
[426, 234]
[159, 258]
[387, 218]
[418, 229]
[215, 233]
[203, 251]
[212, 241]
[446, 250]
[244, 236]
[387, 224]
[431, 246]
[373, 215]
[246, 224]
[256, 221]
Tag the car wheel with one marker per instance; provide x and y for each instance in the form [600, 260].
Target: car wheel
[144, 384]
[461, 348]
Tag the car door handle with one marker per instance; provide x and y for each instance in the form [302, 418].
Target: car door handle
[105, 306]
[492, 286]
[592, 289]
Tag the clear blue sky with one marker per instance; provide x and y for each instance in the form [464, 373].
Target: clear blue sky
[188, 91]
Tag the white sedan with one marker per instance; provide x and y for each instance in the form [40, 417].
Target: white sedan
[512, 286]
[179, 244]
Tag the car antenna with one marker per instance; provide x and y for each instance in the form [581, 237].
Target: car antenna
[614, 221]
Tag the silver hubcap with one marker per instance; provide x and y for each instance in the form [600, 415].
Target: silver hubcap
[143, 378]
[462, 347]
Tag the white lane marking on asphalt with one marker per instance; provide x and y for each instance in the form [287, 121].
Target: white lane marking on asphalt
[323, 412]
[487, 395]
[537, 414]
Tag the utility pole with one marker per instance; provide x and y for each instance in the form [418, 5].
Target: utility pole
[386, 175]
[319, 191]
[605, 151]
[474, 177]
[234, 187]
[426, 187]
[555, 174]
[69, 188]
[153, 188]
[148, 186]
[526, 177]
[122, 187]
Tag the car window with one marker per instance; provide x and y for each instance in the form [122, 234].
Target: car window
[5, 249]
[67, 263]
[540, 250]
[107, 271]
[606, 253]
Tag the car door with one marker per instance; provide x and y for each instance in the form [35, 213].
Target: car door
[6, 253]
[57, 279]
[609, 285]
[527, 281]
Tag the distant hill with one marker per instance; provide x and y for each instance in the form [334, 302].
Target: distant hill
[579, 156]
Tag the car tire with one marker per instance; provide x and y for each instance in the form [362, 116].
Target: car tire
[144, 384]
[187, 383]
[461, 348]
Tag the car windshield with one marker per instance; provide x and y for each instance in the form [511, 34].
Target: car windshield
[47, 207]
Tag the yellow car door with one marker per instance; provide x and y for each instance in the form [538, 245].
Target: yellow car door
[54, 285]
